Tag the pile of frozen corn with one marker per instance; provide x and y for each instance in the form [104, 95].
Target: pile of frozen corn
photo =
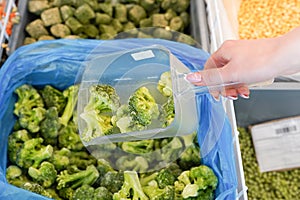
[267, 18]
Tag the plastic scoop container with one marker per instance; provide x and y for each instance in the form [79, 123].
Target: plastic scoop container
[129, 70]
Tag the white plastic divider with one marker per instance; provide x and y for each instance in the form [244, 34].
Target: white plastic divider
[220, 30]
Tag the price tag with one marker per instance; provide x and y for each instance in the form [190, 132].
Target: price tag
[277, 144]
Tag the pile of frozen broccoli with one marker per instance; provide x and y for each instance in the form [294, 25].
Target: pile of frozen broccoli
[46, 155]
[105, 19]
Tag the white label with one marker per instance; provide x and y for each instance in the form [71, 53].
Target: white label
[142, 55]
[277, 144]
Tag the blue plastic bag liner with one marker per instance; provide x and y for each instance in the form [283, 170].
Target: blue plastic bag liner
[58, 62]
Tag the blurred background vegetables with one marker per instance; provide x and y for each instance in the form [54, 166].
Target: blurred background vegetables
[267, 185]
[104, 19]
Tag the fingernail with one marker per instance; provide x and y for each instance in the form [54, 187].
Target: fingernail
[244, 96]
[194, 77]
[232, 97]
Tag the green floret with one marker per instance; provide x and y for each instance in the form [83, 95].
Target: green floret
[197, 183]
[28, 98]
[103, 166]
[84, 192]
[124, 121]
[165, 177]
[33, 153]
[156, 193]
[190, 157]
[66, 193]
[102, 193]
[143, 107]
[69, 138]
[71, 94]
[77, 179]
[36, 188]
[60, 158]
[15, 176]
[97, 125]
[103, 98]
[133, 163]
[31, 119]
[112, 180]
[53, 98]
[82, 159]
[167, 114]
[131, 188]
[50, 126]
[45, 175]
[15, 143]
[138, 147]
[165, 84]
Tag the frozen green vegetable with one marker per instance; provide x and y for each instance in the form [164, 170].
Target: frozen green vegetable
[60, 30]
[117, 25]
[45, 175]
[101, 18]
[75, 26]
[107, 8]
[136, 14]
[84, 14]
[90, 30]
[36, 29]
[147, 22]
[51, 16]
[170, 13]
[37, 7]
[159, 20]
[66, 12]
[121, 12]
[46, 37]
[176, 24]
[29, 40]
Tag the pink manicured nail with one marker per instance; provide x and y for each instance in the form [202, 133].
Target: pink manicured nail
[244, 96]
[232, 97]
[194, 77]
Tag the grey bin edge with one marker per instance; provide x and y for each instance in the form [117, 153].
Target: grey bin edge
[277, 101]
[198, 27]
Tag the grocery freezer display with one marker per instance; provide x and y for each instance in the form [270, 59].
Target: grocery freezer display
[200, 16]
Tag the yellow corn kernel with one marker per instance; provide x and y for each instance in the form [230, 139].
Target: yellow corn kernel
[267, 18]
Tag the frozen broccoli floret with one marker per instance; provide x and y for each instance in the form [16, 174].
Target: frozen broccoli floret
[143, 107]
[172, 150]
[77, 179]
[132, 163]
[156, 193]
[31, 119]
[90, 30]
[138, 147]
[102, 193]
[167, 114]
[53, 192]
[45, 175]
[84, 192]
[165, 177]
[15, 143]
[28, 98]
[69, 138]
[103, 98]
[36, 188]
[113, 181]
[50, 126]
[107, 8]
[131, 188]
[32, 153]
[60, 158]
[165, 84]
[199, 182]
[13, 172]
[190, 157]
[124, 121]
[103, 166]
[97, 125]
[71, 94]
[82, 159]
[66, 193]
